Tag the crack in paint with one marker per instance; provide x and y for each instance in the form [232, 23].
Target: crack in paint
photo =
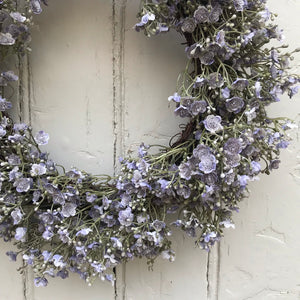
[207, 277]
[88, 126]
[247, 275]
[24, 280]
[20, 91]
[118, 41]
[272, 234]
[213, 273]
[218, 270]
[115, 284]
[29, 87]
[266, 290]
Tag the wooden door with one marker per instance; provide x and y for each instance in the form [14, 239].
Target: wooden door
[99, 89]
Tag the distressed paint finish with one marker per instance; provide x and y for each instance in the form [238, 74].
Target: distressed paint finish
[151, 69]
[260, 258]
[99, 89]
[72, 82]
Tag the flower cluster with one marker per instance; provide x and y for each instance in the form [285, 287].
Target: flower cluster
[72, 221]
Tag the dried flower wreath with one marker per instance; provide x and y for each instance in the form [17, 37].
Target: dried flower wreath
[74, 221]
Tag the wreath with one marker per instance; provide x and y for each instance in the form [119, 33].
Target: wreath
[72, 221]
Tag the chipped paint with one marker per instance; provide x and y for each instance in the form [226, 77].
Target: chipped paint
[273, 235]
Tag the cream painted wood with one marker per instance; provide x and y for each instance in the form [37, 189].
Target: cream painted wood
[260, 258]
[72, 82]
[99, 88]
[11, 282]
[72, 99]
[151, 69]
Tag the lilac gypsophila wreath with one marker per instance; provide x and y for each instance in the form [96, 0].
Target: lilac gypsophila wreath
[72, 221]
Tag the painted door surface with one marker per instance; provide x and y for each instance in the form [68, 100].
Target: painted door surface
[99, 89]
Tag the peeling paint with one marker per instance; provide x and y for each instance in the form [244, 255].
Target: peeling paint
[86, 154]
[88, 120]
[244, 273]
[266, 293]
[271, 234]
[21, 87]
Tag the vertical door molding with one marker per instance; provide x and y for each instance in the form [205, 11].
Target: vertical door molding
[118, 40]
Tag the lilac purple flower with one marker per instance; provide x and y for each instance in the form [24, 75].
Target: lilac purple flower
[144, 20]
[207, 58]
[225, 93]
[251, 115]
[116, 243]
[255, 166]
[84, 232]
[10, 76]
[233, 146]
[274, 164]
[188, 25]
[175, 98]
[201, 150]
[4, 105]
[20, 127]
[200, 81]
[42, 138]
[227, 224]
[208, 164]
[2, 132]
[12, 255]
[18, 17]
[243, 180]
[90, 197]
[240, 84]
[40, 282]
[6, 39]
[220, 38]
[14, 160]
[182, 111]
[36, 6]
[198, 107]
[48, 233]
[158, 225]
[20, 234]
[215, 13]
[201, 14]
[28, 257]
[46, 255]
[235, 104]
[210, 236]
[58, 261]
[69, 209]
[23, 184]
[232, 160]
[126, 217]
[105, 202]
[215, 80]
[38, 169]
[239, 4]
[17, 215]
[185, 171]
[63, 274]
[213, 123]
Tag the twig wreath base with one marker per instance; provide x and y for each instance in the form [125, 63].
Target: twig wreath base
[73, 221]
